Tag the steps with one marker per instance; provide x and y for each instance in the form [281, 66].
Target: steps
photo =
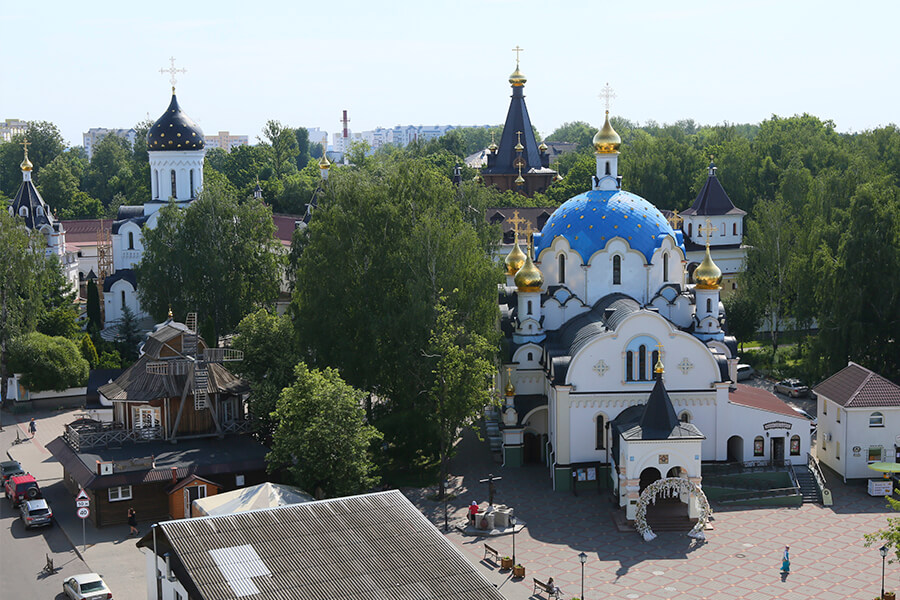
[808, 488]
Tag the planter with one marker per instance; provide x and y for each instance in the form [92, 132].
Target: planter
[890, 596]
[506, 563]
[518, 571]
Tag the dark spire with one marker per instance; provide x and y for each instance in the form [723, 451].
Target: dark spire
[712, 199]
[659, 418]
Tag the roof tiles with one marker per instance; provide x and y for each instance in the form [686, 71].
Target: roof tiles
[855, 386]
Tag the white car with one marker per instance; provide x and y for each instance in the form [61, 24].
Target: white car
[89, 586]
[745, 372]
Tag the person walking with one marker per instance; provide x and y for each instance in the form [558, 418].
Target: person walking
[132, 522]
[32, 427]
[786, 560]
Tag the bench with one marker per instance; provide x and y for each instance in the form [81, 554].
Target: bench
[490, 551]
[552, 590]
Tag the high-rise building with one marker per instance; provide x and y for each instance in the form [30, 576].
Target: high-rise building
[92, 137]
[12, 127]
[225, 141]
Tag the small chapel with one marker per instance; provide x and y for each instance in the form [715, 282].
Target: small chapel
[618, 368]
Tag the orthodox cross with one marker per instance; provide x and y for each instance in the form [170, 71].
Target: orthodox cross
[517, 50]
[607, 94]
[172, 71]
[707, 231]
[490, 481]
[675, 220]
[519, 146]
[516, 221]
[25, 143]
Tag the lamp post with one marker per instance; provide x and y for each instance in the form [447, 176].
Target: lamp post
[883, 551]
[583, 558]
[512, 521]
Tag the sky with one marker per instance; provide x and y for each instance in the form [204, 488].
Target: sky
[427, 62]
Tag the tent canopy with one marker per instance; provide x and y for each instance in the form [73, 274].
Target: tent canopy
[264, 495]
[885, 467]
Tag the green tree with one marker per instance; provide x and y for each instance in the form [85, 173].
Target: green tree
[244, 166]
[281, 143]
[128, 335]
[93, 306]
[111, 170]
[743, 315]
[110, 359]
[61, 321]
[302, 136]
[48, 363]
[460, 387]
[890, 535]
[322, 441]
[89, 351]
[218, 257]
[59, 184]
[45, 143]
[578, 132]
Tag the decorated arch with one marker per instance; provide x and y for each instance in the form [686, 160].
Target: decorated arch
[669, 487]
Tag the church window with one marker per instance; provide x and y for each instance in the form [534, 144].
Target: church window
[192, 183]
[685, 417]
[529, 307]
[562, 268]
[690, 229]
[123, 298]
[734, 229]
[617, 270]
[131, 240]
[530, 356]
[665, 267]
[174, 190]
[155, 183]
[642, 363]
[759, 446]
[23, 212]
[709, 305]
[876, 419]
[723, 229]
[795, 445]
[629, 366]
[654, 358]
[39, 211]
[607, 168]
[601, 432]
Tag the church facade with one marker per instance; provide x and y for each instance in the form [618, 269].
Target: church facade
[618, 367]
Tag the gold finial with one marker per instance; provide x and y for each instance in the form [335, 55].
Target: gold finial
[517, 79]
[515, 259]
[170, 312]
[519, 147]
[542, 148]
[529, 277]
[478, 178]
[493, 146]
[707, 275]
[558, 176]
[659, 366]
[510, 388]
[520, 180]
[324, 162]
[26, 164]
[517, 50]
[172, 71]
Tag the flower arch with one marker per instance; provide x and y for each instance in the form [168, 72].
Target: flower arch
[669, 487]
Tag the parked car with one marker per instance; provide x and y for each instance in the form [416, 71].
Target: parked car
[792, 387]
[745, 372]
[89, 586]
[35, 513]
[10, 468]
[20, 488]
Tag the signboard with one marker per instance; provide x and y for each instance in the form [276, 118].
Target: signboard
[82, 495]
[83, 513]
[880, 487]
[82, 503]
[776, 425]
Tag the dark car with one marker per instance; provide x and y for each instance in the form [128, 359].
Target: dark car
[35, 513]
[792, 387]
[9, 468]
[20, 488]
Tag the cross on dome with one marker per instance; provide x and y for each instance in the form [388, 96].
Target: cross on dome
[707, 231]
[516, 221]
[607, 94]
[172, 71]
[517, 50]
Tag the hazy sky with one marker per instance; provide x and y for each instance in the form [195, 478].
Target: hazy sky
[96, 64]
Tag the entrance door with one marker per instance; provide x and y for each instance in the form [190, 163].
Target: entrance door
[778, 450]
[531, 448]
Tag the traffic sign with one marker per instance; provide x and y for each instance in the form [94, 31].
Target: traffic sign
[83, 513]
[82, 495]
[82, 503]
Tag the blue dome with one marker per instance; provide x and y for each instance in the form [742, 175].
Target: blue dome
[589, 220]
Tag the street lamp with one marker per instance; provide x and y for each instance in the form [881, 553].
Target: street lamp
[583, 558]
[512, 521]
[883, 551]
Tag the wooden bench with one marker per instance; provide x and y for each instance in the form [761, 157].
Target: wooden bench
[490, 551]
[552, 590]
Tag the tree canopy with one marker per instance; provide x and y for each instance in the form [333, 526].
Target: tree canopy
[48, 362]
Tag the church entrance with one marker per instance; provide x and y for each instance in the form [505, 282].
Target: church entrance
[778, 450]
[531, 448]
[648, 476]
[736, 449]
[667, 512]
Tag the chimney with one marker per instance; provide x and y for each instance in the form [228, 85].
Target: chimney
[174, 477]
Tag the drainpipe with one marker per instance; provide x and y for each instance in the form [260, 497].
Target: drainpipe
[155, 563]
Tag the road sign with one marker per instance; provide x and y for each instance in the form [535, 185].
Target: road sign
[83, 513]
[82, 503]
[82, 495]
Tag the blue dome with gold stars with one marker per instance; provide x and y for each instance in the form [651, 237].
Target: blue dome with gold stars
[590, 220]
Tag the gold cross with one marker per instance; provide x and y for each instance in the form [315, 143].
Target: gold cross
[516, 221]
[607, 94]
[517, 50]
[172, 71]
[675, 220]
[519, 137]
[25, 143]
[707, 231]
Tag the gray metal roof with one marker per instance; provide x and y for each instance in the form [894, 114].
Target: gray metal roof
[373, 546]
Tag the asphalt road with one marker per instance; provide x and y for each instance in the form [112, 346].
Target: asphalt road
[23, 551]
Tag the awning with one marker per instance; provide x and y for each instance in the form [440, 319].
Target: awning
[885, 467]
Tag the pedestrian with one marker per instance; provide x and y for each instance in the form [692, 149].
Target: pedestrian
[132, 522]
[32, 427]
[554, 589]
[473, 509]
[786, 560]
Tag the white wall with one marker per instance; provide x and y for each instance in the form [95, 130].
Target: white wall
[852, 432]
[168, 587]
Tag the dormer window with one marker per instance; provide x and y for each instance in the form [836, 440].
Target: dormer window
[39, 211]
[23, 212]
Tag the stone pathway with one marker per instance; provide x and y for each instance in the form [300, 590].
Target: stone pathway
[740, 559]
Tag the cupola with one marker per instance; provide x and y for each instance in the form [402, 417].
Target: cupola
[607, 141]
[515, 259]
[175, 131]
[708, 276]
[529, 278]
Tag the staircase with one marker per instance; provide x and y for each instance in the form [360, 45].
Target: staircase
[808, 488]
[664, 516]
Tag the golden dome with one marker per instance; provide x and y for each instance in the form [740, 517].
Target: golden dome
[26, 164]
[515, 259]
[659, 366]
[324, 163]
[520, 180]
[493, 147]
[558, 177]
[529, 278]
[542, 147]
[510, 388]
[607, 141]
[516, 78]
[519, 147]
[708, 276]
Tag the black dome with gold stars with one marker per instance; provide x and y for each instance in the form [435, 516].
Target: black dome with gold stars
[175, 131]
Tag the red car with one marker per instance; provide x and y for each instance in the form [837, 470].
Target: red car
[20, 488]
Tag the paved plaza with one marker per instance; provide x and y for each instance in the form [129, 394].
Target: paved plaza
[741, 557]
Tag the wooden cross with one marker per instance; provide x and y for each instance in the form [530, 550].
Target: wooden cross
[516, 221]
[675, 220]
[707, 231]
[607, 94]
[490, 481]
[172, 71]
[517, 50]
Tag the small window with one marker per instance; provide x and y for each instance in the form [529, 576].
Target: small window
[723, 230]
[131, 240]
[617, 270]
[529, 307]
[734, 229]
[629, 366]
[795, 445]
[39, 211]
[608, 172]
[530, 356]
[192, 183]
[874, 454]
[174, 190]
[119, 493]
[654, 358]
[155, 183]
[23, 212]
[601, 432]
[759, 446]
[837, 450]
[642, 363]
[690, 229]
[665, 267]
[837, 414]
[562, 268]
[708, 305]
[685, 417]
[824, 407]
[876, 419]
[123, 298]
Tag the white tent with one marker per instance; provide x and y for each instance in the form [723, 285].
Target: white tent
[264, 495]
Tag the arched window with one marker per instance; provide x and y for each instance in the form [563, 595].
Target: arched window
[734, 229]
[759, 446]
[23, 212]
[39, 211]
[174, 189]
[192, 183]
[530, 356]
[685, 417]
[617, 270]
[608, 172]
[709, 305]
[876, 419]
[562, 268]
[723, 230]
[131, 240]
[795, 445]
[654, 358]
[642, 363]
[529, 307]
[156, 183]
[123, 298]
[629, 366]
[601, 432]
[690, 229]
[665, 267]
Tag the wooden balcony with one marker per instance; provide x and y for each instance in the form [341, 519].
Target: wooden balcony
[87, 433]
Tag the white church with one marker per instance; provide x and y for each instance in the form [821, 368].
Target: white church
[618, 370]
